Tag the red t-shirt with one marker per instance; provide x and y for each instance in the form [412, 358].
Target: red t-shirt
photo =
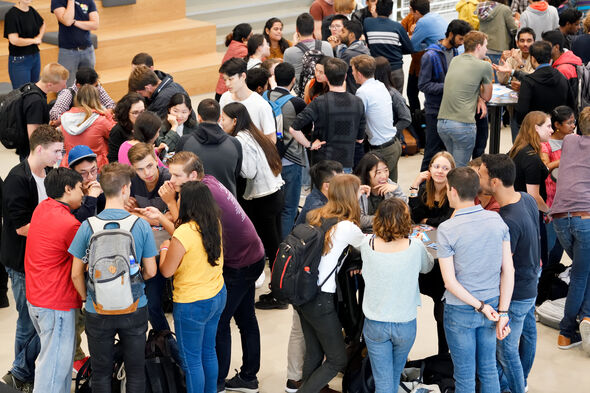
[48, 265]
[320, 9]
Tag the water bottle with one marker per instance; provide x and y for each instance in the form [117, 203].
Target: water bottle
[133, 266]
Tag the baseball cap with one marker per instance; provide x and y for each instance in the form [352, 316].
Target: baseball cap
[79, 153]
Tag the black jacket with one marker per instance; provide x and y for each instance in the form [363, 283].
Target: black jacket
[117, 136]
[543, 90]
[159, 100]
[220, 153]
[17, 206]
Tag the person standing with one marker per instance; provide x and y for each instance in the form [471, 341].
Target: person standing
[24, 28]
[76, 19]
[541, 17]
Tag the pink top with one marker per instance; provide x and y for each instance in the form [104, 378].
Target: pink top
[235, 49]
[124, 159]
[553, 149]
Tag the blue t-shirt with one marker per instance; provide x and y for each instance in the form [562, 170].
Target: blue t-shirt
[71, 37]
[145, 246]
[522, 219]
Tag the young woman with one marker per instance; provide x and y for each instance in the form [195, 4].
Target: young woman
[531, 172]
[261, 167]
[319, 320]
[402, 118]
[87, 123]
[391, 267]
[126, 112]
[24, 28]
[194, 256]
[317, 85]
[258, 50]
[178, 122]
[428, 193]
[236, 47]
[564, 123]
[146, 129]
[373, 172]
[273, 32]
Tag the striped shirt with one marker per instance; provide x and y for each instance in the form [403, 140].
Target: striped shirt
[387, 38]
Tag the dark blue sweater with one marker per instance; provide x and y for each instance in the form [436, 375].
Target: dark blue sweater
[433, 69]
[387, 38]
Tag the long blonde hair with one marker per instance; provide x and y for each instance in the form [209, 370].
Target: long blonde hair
[527, 135]
[343, 204]
[88, 99]
[429, 197]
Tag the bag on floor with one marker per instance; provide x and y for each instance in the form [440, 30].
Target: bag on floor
[550, 313]
[409, 143]
[349, 295]
[358, 376]
[436, 370]
[551, 285]
[163, 373]
[294, 276]
[412, 381]
[83, 383]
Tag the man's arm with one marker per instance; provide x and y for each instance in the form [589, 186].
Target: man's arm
[486, 91]
[407, 46]
[425, 82]
[65, 15]
[90, 24]
[149, 267]
[31, 128]
[317, 29]
[62, 104]
[78, 270]
[506, 288]
[105, 99]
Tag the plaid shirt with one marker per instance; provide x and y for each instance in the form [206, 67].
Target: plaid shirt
[64, 101]
[519, 6]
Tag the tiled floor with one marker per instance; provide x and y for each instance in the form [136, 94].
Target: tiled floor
[554, 370]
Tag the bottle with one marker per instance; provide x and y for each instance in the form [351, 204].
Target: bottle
[133, 266]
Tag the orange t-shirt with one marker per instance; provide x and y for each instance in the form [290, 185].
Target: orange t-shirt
[320, 9]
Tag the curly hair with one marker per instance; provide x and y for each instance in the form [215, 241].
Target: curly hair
[392, 220]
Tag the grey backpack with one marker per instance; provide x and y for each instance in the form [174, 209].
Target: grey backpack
[109, 257]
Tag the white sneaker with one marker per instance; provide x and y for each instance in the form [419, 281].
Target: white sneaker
[585, 333]
[260, 281]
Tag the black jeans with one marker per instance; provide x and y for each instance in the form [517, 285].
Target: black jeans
[433, 142]
[239, 305]
[101, 331]
[3, 281]
[323, 339]
[481, 136]
[265, 214]
[412, 92]
[432, 285]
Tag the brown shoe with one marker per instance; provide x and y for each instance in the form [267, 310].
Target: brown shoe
[564, 342]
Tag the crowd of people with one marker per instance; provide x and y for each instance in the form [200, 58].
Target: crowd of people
[149, 190]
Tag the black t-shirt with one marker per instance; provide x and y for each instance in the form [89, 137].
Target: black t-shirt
[147, 198]
[522, 219]
[530, 169]
[35, 108]
[27, 25]
[71, 37]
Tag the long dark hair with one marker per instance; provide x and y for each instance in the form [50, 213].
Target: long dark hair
[254, 43]
[560, 114]
[237, 111]
[366, 165]
[197, 204]
[122, 110]
[383, 72]
[177, 99]
[146, 127]
[283, 43]
[238, 34]
[320, 88]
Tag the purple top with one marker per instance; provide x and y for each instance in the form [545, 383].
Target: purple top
[241, 244]
[573, 183]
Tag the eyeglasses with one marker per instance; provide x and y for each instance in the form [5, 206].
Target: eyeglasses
[334, 27]
[444, 168]
[92, 172]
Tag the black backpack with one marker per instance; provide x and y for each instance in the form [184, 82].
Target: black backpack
[294, 276]
[13, 127]
[83, 383]
[310, 58]
[163, 373]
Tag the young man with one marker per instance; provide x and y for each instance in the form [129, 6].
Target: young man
[388, 38]
[243, 263]
[148, 179]
[562, 59]
[157, 89]
[143, 58]
[76, 19]
[433, 68]
[467, 88]
[540, 16]
[210, 142]
[476, 266]
[519, 211]
[65, 98]
[430, 26]
[51, 296]
[115, 180]
[570, 215]
[234, 75]
[83, 160]
[348, 46]
[257, 79]
[569, 25]
[27, 189]
[339, 137]
[381, 133]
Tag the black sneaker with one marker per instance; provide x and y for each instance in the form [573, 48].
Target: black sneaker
[237, 384]
[4, 301]
[265, 296]
[292, 386]
[270, 303]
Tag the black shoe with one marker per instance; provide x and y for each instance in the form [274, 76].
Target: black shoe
[265, 296]
[4, 301]
[239, 385]
[270, 303]
[292, 386]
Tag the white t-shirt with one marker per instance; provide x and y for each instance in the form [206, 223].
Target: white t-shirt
[344, 233]
[40, 187]
[252, 62]
[258, 109]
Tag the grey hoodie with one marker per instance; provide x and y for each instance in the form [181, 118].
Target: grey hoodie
[540, 18]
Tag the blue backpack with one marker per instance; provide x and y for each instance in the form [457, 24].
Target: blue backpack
[277, 111]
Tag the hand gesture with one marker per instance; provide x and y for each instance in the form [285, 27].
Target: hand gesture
[421, 178]
[502, 328]
[482, 108]
[93, 189]
[334, 41]
[364, 190]
[502, 67]
[161, 147]
[384, 188]
[515, 85]
[173, 122]
[167, 192]
[490, 313]
[131, 205]
[150, 212]
[317, 144]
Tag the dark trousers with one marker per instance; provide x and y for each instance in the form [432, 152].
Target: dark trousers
[154, 288]
[432, 285]
[265, 214]
[239, 306]
[481, 136]
[3, 281]
[323, 339]
[433, 142]
[101, 331]
[412, 93]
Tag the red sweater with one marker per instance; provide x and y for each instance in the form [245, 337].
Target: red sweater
[566, 64]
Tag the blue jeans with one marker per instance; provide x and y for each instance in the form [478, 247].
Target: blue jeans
[472, 342]
[54, 364]
[553, 246]
[459, 138]
[574, 235]
[433, 142]
[196, 327]
[72, 59]
[388, 344]
[291, 174]
[26, 342]
[24, 69]
[516, 352]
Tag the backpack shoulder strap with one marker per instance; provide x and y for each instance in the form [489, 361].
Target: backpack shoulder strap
[98, 224]
[128, 222]
[302, 47]
[318, 45]
[283, 100]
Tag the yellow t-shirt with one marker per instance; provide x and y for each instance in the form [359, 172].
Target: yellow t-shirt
[195, 279]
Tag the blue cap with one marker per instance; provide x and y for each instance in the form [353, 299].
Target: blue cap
[79, 153]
